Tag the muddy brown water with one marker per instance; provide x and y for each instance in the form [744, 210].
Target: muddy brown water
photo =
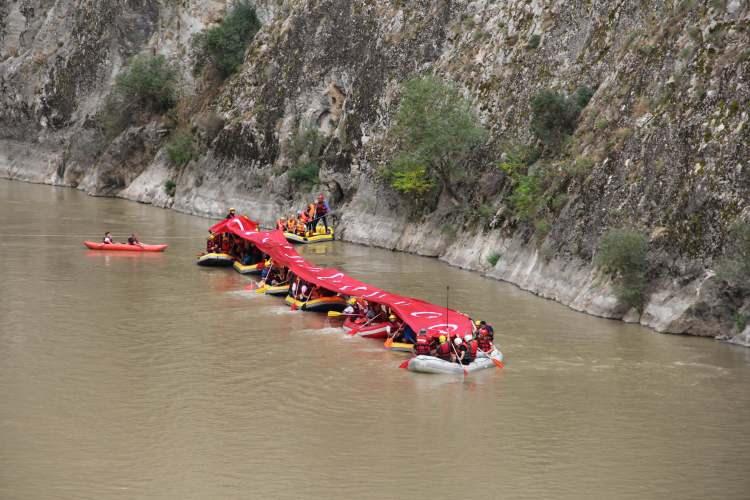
[145, 376]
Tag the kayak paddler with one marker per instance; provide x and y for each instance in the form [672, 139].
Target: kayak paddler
[107, 240]
[133, 240]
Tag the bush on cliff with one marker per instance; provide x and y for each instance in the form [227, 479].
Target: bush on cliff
[554, 116]
[305, 152]
[734, 267]
[435, 131]
[146, 86]
[622, 255]
[180, 149]
[223, 46]
[148, 83]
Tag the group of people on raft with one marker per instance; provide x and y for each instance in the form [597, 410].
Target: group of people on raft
[108, 240]
[462, 350]
[241, 250]
[306, 221]
[454, 349]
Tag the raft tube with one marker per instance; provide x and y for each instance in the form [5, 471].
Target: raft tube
[400, 347]
[124, 247]
[277, 289]
[431, 364]
[372, 331]
[215, 260]
[248, 269]
[321, 304]
[315, 238]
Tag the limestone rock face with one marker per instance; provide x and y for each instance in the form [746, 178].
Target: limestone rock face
[664, 140]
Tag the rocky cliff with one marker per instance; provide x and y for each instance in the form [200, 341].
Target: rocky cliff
[662, 146]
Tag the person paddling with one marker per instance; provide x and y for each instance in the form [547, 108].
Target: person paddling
[133, 240]
[107, 240]
[471, 349]
[461, 351]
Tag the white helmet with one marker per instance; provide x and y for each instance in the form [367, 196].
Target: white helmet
[468, 337]
[457, 341]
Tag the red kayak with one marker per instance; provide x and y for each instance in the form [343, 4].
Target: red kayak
[124, 247]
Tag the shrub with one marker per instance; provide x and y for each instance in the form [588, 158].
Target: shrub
[306, 174]
[435, 131]
[554, 115]
[734, 267]
[147, 85]
[622, 255]
[493, 258]
[526, 196]
[170, 187]
[533, 42]
[180, 148]
[224, 46]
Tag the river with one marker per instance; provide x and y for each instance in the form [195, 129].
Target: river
[145, 376]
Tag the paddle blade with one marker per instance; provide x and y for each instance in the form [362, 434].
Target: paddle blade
[498, 363]
[334, 314]
[294, 306]
[260, 289]
[405, 364]
[353, 331]
[388, 343]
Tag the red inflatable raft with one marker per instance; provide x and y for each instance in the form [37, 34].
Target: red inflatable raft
[371, 331]
[124, 247]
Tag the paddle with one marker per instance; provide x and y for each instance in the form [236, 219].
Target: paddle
[356, 329]
[304, 302]
[389, 341]
[336, 314]
[496, 362]
[262, 288]
[405, 364]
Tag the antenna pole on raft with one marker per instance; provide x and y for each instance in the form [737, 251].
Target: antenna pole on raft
[447, 295]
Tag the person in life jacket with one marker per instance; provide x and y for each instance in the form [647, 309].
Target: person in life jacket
[321, 210]
[302, 221]
[484, 340]
[483, 324]
[444, 350]
[422, 346]
[311, 222]
[133, 240]
[210, 242]
[281, 224]
[291, 225]
[232, 214]
[107, 240]
[461, 351]
[471, 348]
[226, 244]
[352, 308]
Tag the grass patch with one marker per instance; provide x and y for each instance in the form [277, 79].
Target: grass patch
[170, 187]
[493, 258]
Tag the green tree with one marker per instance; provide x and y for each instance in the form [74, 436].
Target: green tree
[224, 45]
[435, 130]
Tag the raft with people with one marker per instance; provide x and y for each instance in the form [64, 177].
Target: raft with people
[309, 225]
[433, 364]
[448, 340]
[256, 268]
